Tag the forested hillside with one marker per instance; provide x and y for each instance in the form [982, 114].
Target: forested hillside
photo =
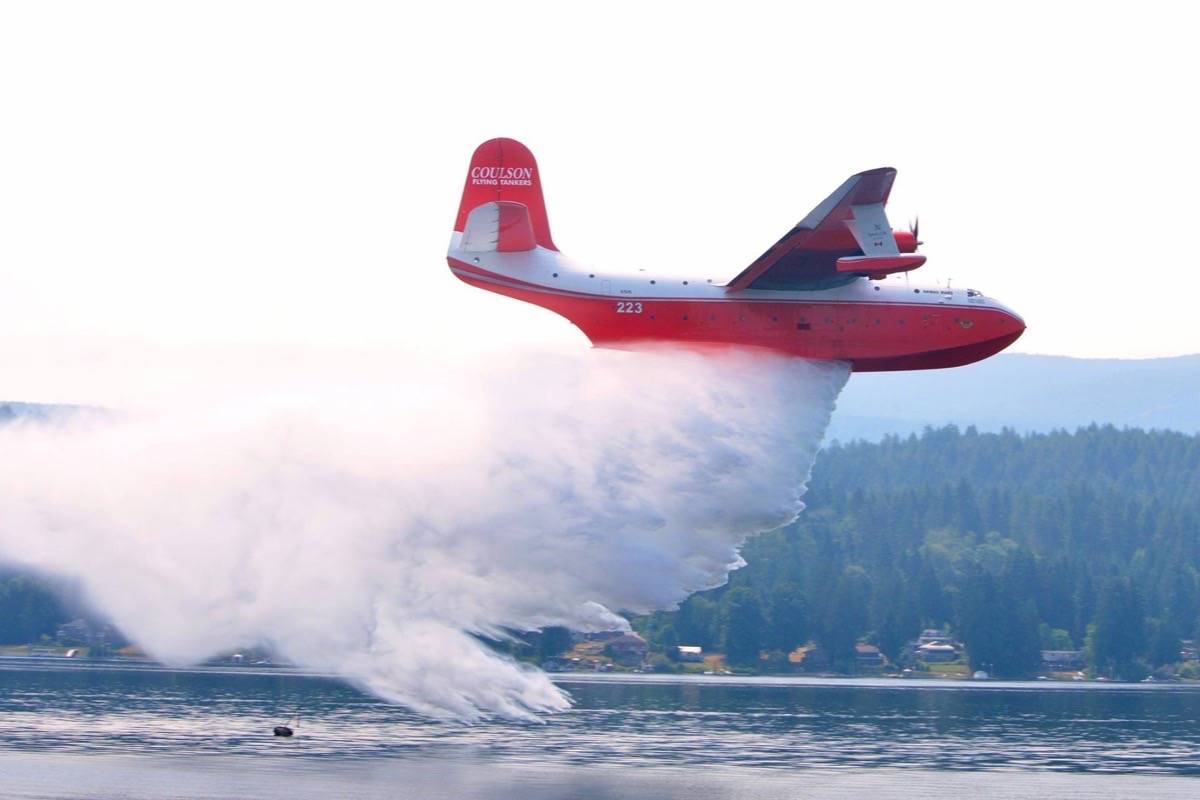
[1018, 543]
[29, 608]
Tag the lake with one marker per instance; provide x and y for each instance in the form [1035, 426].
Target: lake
[137, 733]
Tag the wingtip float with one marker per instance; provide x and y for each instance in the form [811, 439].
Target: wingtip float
[816, 293]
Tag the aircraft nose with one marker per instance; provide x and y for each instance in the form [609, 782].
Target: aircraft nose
[1016, 322]
[1012, 325]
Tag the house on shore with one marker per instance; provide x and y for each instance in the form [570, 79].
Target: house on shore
[934, 636]
[628, 649]
[937, 652]
[868, 658]
[1062, 660]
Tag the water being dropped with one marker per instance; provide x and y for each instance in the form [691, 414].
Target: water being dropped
[370, 530]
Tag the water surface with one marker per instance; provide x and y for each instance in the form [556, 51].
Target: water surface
[140, 733]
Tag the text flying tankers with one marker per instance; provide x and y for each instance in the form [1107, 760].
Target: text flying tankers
[814, 294]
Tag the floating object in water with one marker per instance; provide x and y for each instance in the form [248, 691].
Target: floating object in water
[283, 730]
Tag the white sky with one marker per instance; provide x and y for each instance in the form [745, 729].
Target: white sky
[221, 177]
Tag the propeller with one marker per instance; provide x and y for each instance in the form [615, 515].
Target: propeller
[915, 230]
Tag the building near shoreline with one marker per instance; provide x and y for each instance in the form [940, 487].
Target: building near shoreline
[628, 650]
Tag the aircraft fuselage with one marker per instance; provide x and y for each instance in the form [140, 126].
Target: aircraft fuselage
[876, 326]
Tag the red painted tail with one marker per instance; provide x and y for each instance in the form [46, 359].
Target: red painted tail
[503, 170]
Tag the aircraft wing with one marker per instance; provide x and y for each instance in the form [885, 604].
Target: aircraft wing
[849, 223]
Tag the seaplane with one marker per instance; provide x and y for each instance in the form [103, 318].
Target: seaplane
[817, 293]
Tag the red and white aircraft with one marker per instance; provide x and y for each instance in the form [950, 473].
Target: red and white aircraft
[815, 293]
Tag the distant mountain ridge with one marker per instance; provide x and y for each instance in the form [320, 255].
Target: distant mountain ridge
[1026, 393]
[11, 410]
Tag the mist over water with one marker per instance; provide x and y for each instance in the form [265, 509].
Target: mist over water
[369, 530]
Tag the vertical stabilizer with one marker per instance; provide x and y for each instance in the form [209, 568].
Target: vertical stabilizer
[503, 171]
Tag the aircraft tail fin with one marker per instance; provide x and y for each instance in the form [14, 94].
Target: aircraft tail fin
[502, 197]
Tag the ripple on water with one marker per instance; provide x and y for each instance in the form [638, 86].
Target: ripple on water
[775, 724]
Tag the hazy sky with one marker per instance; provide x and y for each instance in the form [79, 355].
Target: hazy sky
[220, 174]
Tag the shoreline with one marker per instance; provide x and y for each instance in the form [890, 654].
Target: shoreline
[14, 663]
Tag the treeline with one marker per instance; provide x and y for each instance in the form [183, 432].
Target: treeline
[30, 608]
[1087, 540]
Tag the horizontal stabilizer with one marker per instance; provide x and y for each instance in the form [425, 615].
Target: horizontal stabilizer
[501, 226]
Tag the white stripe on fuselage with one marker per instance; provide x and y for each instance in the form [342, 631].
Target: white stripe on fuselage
[556, 273]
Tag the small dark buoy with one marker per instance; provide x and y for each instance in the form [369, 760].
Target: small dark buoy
[286, 729]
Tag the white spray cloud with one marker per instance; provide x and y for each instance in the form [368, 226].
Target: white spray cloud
[367, 532]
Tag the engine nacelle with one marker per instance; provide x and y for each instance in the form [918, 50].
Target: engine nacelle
[878, 267]
[906, 241]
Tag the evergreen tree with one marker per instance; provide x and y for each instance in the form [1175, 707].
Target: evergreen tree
[554, 641]
[845, 617]
[899, 624]
[29, 609]
[934, 606]
[790, 625]
[1164, 643]
[742, 626]
[696, 622]
[1119, 636]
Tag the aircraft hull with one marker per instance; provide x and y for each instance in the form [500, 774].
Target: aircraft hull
[872, 335]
